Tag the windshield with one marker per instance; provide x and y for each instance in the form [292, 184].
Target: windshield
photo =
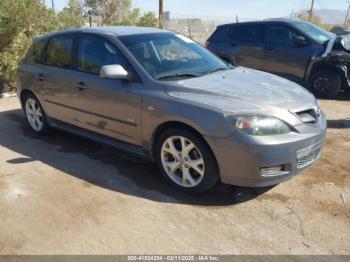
[316, 33]
[167, 56]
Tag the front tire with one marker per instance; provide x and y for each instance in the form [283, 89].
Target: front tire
[325, 83]
[186, 161]
[35, 114]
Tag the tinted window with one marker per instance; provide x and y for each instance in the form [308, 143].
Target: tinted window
[280, 36]
[95, 52]
[59, 51]
[231, 32]
[220, 33]
[249, 33]
[38, 48]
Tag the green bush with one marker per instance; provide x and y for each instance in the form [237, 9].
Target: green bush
[148, 19]
[20, 21]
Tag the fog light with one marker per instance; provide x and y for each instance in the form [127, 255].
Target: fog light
[273, 171]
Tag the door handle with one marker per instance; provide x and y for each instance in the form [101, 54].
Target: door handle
[41, 77]
[81, 86]
[269, 48]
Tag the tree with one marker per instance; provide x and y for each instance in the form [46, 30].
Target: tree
[113, 12]
[20, 21]
[72, 16]
[132, 17]
[148, 19]
[110, 12]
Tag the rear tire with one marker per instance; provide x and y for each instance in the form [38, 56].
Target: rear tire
[325, 83]
[35, 114]
[186, 161]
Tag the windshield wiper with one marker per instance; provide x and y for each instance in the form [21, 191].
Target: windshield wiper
[179, 75]
[217, 70]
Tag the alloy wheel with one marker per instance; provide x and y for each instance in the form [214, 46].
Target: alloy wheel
[34, 114]
[321, 84]
[182, 161]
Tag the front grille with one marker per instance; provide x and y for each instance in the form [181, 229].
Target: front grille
[308, 116]
[306, 160]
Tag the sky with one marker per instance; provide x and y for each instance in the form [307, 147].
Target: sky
[250, 9]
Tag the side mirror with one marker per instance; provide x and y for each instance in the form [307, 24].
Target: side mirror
[300, 41]
[114, 72]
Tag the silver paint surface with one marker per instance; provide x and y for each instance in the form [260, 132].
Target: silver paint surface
[201, 104]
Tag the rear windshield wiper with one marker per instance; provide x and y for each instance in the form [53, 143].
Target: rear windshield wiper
[178, 75]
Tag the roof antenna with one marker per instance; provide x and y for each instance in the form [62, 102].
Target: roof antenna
[237, 19]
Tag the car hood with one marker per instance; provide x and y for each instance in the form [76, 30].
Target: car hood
[243, 89]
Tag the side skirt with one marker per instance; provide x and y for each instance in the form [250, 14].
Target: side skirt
[102, 139]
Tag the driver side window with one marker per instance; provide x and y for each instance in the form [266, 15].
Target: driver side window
[281, 36]
[95, 52]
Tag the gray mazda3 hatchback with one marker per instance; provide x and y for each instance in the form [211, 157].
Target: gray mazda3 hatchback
[163, 97]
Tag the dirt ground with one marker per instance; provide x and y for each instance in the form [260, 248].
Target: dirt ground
[61, 194]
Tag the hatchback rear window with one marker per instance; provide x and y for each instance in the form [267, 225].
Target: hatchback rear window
[247, 33]
[219, 34]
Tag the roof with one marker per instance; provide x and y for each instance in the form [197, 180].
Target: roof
[123, 30]
[116, 30]
[267, 21]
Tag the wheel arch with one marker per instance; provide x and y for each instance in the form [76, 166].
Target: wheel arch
[319, 66]
[178, 124]
[340, 69]
[25, 92]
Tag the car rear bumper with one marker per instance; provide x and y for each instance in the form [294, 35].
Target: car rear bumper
[241, 157]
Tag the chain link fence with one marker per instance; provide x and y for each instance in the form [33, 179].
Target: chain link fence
[198, 28]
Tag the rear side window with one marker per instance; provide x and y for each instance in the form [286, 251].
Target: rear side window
[219, 34]
[95, 52]
[231, 32]
[59, 51]
[38, 48]
[247, 33]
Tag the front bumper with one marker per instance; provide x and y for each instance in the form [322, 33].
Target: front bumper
[240, 156]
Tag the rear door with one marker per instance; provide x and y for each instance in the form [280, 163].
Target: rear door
[109, 107]
[55, 78]
[282, 57]
[247, 45]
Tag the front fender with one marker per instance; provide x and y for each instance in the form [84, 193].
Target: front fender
[157, 111]
[336, 61]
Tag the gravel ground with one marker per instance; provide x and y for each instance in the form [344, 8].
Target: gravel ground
[61, 194]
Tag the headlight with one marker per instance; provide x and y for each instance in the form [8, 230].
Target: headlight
[345, 42]
[259, 125]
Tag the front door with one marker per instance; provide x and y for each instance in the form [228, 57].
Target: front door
[109, 107]
[282, 57]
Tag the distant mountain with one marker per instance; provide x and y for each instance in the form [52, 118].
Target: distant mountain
[331, 16]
